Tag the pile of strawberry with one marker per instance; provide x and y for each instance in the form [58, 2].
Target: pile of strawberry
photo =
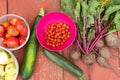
[13, 32]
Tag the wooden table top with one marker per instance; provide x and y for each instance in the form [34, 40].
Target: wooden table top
[44, 68]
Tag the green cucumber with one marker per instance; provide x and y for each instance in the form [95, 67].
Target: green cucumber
[30, 51]
[64, 63]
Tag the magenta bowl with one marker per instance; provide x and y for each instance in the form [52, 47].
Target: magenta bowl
[55, 17]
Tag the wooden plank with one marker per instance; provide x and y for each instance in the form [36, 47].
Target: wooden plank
[102, 73]
[66, 53]
[44, 68]
[3, 7]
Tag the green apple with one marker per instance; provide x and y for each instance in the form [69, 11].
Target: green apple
[9, 77]
[2, 78]
[3, 57]
[10, 68]
[1, 50]
[2, 72]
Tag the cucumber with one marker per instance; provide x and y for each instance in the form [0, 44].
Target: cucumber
[30, 51]
[64, 63]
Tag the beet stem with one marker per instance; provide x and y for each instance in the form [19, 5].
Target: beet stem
[99, 25]
[80, 47]
[84, 34]
[78, 43]
[98, 37]
[95, 27]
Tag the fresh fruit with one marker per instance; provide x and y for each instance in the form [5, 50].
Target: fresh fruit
[1, 50]
[9, 77]
[30, 52]
[2, 72]
[64, 63]
[56, 34]
[2, 30]
[1, 35]
[21, 39]
[19, 25]
[2, 78]
[7, 35]
[7, 66]
[3, 57]
[24, 31]
[4, 42]
[13, 21]
[5, 24]
[12, 42]
[10, 69]
[12, 31]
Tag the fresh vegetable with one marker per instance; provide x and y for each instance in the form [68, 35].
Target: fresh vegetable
[105, 52]
[3, 57]
[112, 40]
[64, 63]
[103, 62]
[12, 42]
[11, 31]
[93, 21]
[2, 31]
[7, 66]
[21, 39]
[1, 35]
[56, 34]
[13, 21]
[100, 44]
[89, 58]
[10, 69]
[7, 36]
[24, 32]
[5, 24]
[19, 25]
[4, 42]
[9, 77]
[30, 52]
[75, 55]
[2, 72]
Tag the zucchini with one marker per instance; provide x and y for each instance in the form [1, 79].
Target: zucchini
[64, 63]
[31, 51]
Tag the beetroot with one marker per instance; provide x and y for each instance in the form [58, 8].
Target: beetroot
[89, 58]
[105, 52]
[75, 55]
[112, 40]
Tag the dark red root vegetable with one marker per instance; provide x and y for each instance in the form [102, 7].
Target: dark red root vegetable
[89, 59]
[81, 39]
[100, 44]
[112, 40]
[104, 63]
[105, 52]
[75, 55]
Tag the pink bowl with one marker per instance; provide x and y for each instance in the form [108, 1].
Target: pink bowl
[55, 17]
